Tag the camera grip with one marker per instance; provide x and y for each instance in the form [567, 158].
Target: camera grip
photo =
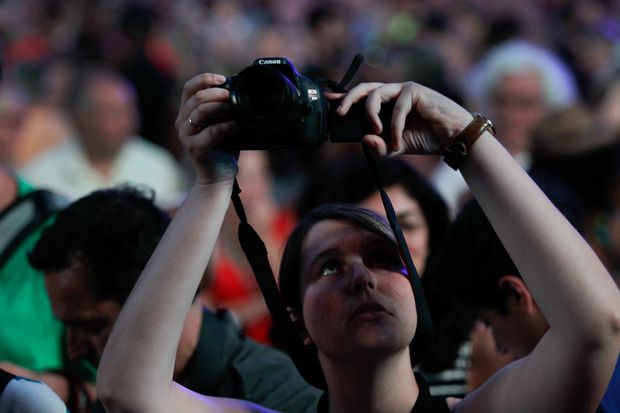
[355, 124]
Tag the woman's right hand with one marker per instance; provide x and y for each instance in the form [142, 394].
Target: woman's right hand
[204, 119]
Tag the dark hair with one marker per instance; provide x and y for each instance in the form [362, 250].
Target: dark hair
[463, 279]
[113, 232]
[473, 258]
[348, 180]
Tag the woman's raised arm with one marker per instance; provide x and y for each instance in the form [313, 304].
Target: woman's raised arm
[570, 368]
[135, 374]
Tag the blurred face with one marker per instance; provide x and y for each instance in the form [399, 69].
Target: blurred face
[518, 100]
[356, 301]
[12, 111]
[411, 219]
[88, 320]
[110, 117]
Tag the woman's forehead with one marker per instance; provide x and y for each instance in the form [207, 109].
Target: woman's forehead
[335, 234]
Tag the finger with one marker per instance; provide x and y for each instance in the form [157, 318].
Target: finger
[333, 95]
[201, 81]
[208, 137]
[206, 113]
[202, 116]
[212, 94]
[376, 98]
[187, 111]
[355, 95]
[402, 109]
[376, 144]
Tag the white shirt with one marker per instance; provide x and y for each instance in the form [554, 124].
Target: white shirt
[66, 170]
[27, 396]
[452, 186]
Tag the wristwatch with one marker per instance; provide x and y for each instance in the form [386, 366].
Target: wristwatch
[459, 147]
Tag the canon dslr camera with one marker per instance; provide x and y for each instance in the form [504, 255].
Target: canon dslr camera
[279, 108]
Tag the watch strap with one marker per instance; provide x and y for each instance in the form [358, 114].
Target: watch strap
[459, 148]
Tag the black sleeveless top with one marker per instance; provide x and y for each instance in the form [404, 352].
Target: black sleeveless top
[425, 403]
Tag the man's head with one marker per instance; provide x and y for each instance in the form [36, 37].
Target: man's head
[516, 83]
[475, 270]
[105, 111]
[13, 107]
[92, 255]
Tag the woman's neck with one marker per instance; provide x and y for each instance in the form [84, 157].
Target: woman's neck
[383, 385]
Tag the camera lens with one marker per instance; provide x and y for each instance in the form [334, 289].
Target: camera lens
[261, 93]
[265, 99]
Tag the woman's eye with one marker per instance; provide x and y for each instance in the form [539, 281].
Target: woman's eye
[385, 259]
[408, 224]
[329, 268]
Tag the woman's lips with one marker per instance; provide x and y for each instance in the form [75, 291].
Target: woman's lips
[368, 311]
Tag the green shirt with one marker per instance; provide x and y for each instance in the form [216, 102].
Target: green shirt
[228, 364]
[30, 336]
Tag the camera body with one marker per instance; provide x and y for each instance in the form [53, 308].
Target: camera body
[279, 108]
[276, 107]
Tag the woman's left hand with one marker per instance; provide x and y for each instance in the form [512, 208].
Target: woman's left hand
[423, 121]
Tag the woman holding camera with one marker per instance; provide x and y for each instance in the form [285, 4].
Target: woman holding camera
[352, 302]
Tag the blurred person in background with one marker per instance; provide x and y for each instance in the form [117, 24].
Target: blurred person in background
[45, 121]
[105, 149]
[89, 274]
[140, 48]
[475, 269]
[580, 146]
[14, 104]
[31, 339]
[20, 395]
[517, 83]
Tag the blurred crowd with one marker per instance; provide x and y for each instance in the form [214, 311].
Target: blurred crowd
[91, 88]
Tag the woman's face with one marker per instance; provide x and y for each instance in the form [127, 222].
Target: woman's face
[356, 301]
[411, 219]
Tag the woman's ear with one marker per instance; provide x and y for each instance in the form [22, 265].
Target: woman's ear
[298, 322]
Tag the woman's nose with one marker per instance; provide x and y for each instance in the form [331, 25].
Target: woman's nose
[361, 278]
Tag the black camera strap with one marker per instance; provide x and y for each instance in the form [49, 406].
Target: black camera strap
[340, 87]
[424, 332]
[23, 216]
[256, 253]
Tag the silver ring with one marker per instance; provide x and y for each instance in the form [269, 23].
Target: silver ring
[189, 119]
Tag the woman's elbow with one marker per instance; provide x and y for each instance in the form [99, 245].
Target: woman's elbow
[119, 397]
[605, 332]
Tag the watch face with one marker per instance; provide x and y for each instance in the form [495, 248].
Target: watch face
[488, 125]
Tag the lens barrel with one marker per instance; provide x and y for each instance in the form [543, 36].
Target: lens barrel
[265, 100]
